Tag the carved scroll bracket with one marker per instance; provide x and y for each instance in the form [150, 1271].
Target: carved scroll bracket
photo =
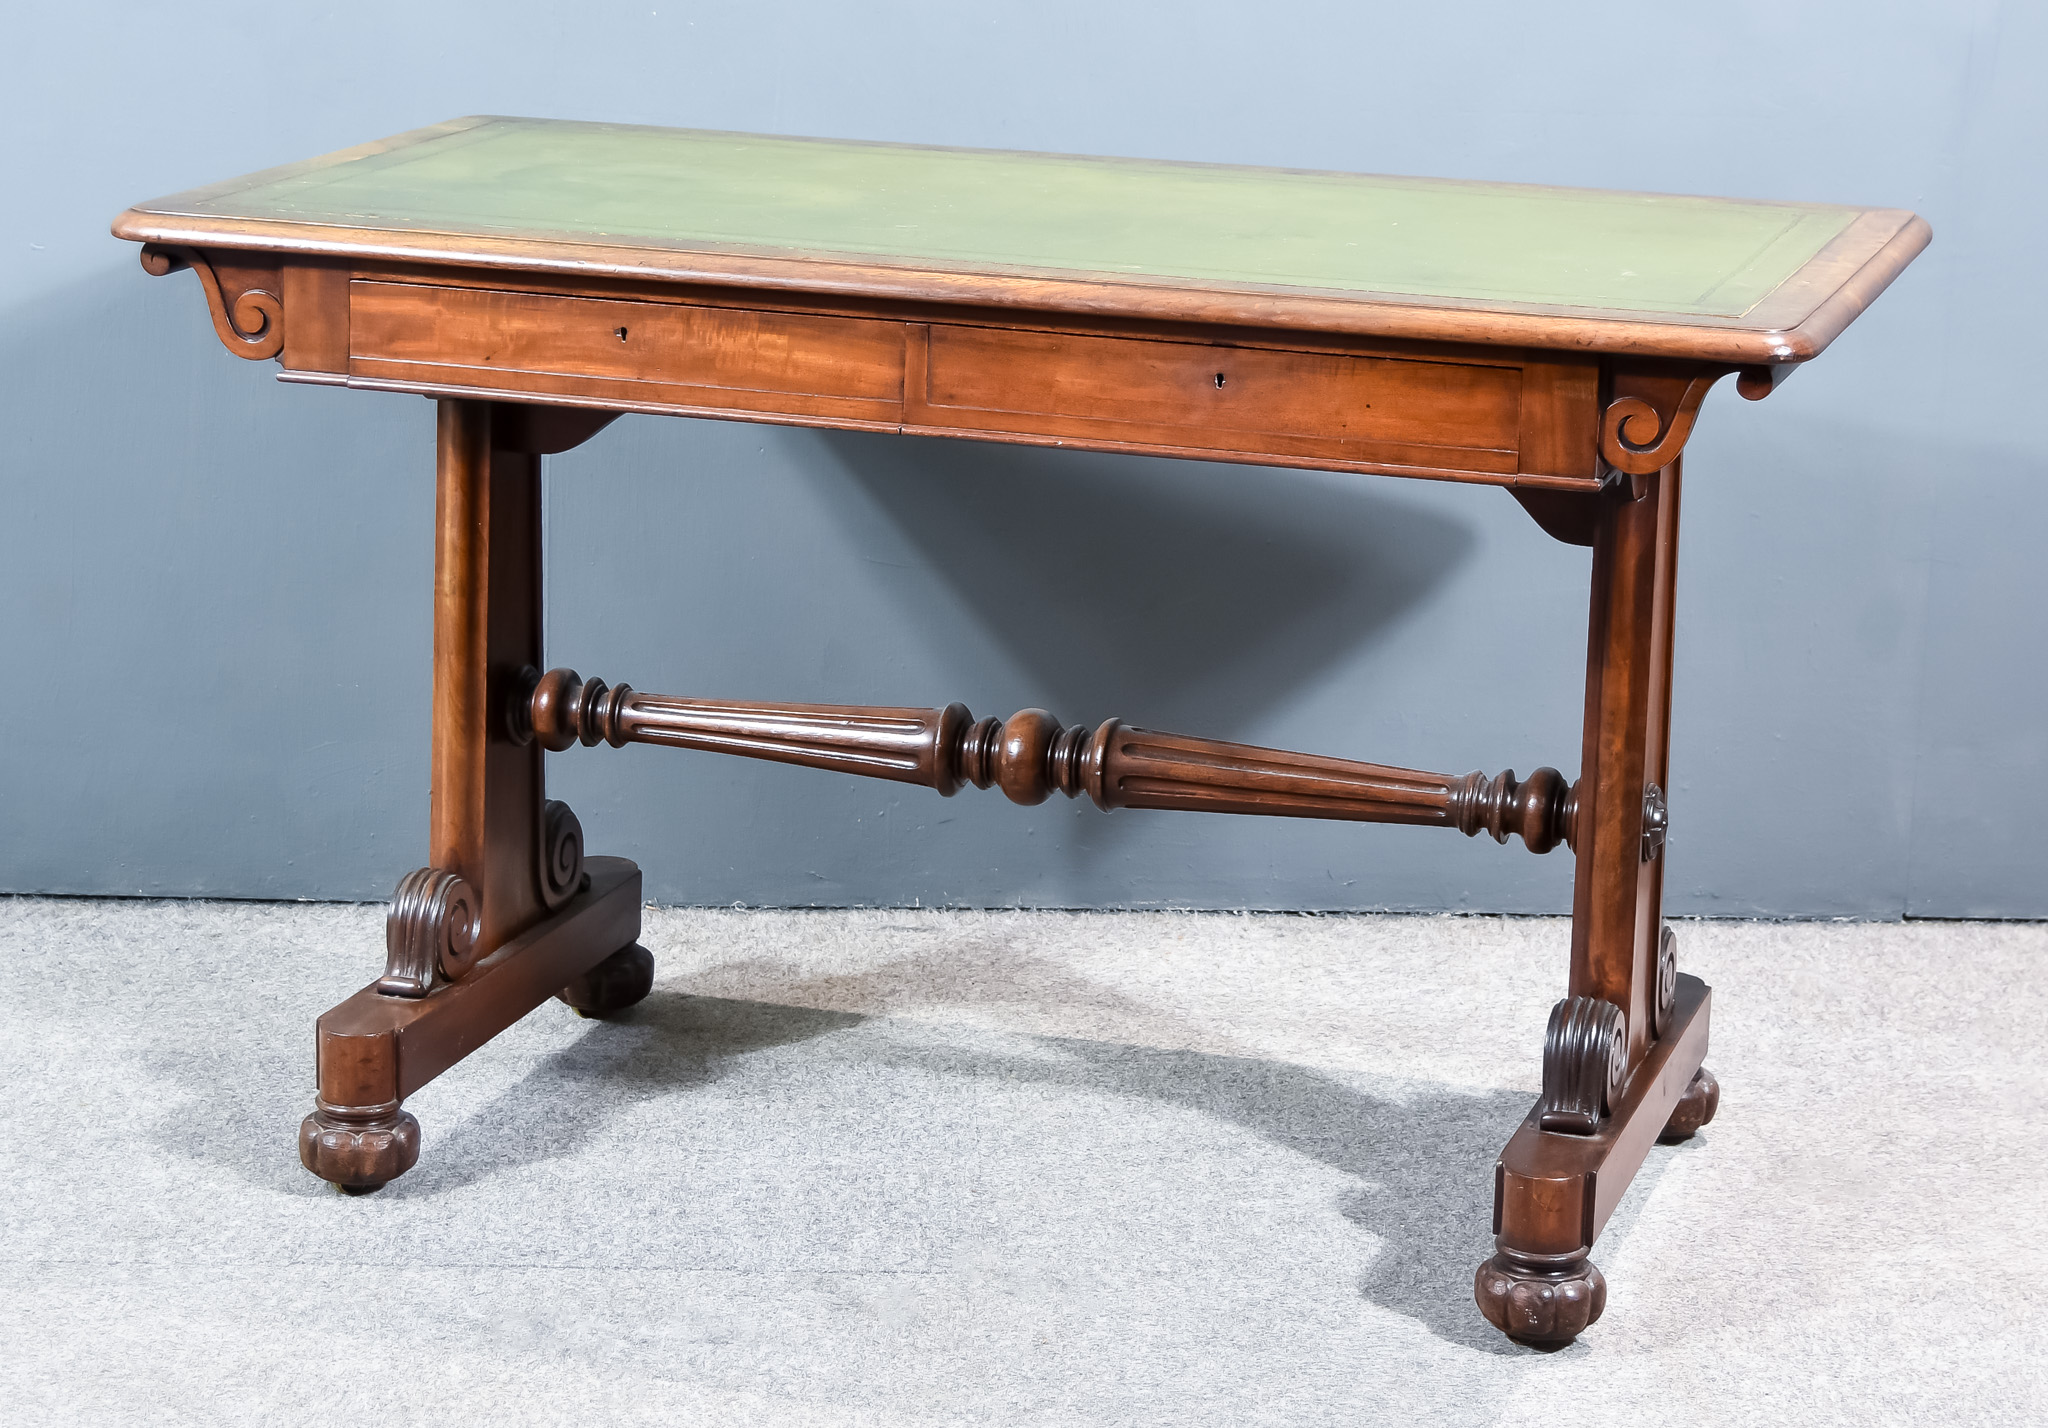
[432, 934]
[1666, 1004]
[1585, 1062]
[1648, 420]
[561, 855]
[1649, 417]
[250, 323]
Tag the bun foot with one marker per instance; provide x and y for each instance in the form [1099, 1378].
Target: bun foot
[1696, 1106]
[359, 1148]
[1544, 1301]
[614, 984]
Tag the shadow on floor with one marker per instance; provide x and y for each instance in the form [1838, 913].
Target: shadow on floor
[667, 1045]
[1420, 1158]
[1422, 1163]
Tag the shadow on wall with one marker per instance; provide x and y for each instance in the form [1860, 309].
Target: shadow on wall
[1174, 593]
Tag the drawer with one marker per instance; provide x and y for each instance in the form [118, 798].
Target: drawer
[666, 355]
[1307, 407]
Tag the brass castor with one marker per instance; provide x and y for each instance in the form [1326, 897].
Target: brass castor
[1544, 1301]
[612, 985]
[1696, 1106]
[358, 1149]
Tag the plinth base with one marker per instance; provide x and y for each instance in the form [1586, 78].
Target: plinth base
[376, 1050]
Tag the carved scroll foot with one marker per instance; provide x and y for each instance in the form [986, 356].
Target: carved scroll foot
[1544, 1301]
[612, 985]
[359, 1148]
[1696, 1106]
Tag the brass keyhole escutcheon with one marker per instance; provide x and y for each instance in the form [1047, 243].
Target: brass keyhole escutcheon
[1219, 380]
[622, 334]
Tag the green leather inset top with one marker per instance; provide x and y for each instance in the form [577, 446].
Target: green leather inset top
[979, 210]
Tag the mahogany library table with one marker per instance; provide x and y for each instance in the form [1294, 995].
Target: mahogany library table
[539, 278]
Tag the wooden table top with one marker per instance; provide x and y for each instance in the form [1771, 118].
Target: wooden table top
[1651, 274]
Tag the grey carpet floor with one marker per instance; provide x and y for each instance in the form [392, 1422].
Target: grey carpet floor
[1008, 1168]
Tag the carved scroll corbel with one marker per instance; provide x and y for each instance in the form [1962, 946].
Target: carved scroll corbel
[1649, 418]
[1585, 1062]
[561, 855]
[250, 324]
[432, 933]
[1666, 1003]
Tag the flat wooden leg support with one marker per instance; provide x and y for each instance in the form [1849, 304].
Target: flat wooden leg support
[1553, 1191]
[508, 912]
[1622, 1055]
[376, 1049]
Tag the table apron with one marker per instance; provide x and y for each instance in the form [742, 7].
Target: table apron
[1505, 418]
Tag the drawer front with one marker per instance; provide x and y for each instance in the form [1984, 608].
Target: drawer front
[1212, 398]
[646, 353]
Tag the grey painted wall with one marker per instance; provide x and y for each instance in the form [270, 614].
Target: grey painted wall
[216, 587]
